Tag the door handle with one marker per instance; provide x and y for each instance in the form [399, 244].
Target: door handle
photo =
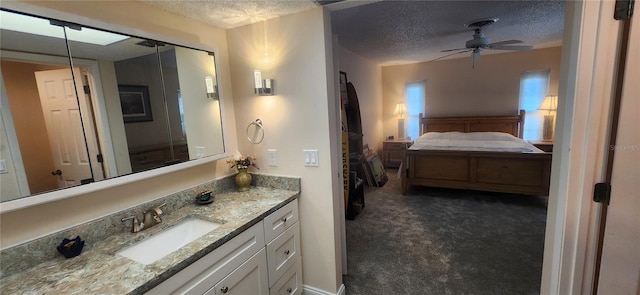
[57, 172]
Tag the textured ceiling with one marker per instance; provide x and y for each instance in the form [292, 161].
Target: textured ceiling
[228, 14]
[392, 31]
[395, 32]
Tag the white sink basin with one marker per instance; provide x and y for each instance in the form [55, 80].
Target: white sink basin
[163, 243]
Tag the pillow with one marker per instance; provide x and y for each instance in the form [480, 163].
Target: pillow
[481, 136]
[491, 136]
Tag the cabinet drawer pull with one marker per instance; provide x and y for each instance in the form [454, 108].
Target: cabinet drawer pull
[224, 289]
[284, 219]
[286, 252]
[289, 290]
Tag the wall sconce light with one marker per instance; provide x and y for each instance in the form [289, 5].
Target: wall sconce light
[549, 104]
[262, 87]
[212, 89]
[400, 110]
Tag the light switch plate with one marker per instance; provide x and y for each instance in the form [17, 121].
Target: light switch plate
[273, 157]
[3, 166]
[311, 158]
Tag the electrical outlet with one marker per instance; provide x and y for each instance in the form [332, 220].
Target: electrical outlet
[273, 157]
[311, 158]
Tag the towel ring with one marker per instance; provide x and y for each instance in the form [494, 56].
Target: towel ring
[257, 129]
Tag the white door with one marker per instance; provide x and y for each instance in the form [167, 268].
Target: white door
[64, 126]
[620, 268]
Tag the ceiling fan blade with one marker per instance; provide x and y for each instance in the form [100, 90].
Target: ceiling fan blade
[517, 47]
[467, 50]
[449, 50]
[506, 42]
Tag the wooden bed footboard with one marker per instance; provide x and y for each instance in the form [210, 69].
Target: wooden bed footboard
[517, 173]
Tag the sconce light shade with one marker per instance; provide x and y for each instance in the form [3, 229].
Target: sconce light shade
[400, 110]
[262, 87]
[212, 92]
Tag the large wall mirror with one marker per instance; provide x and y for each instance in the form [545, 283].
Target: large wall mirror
[81, 105]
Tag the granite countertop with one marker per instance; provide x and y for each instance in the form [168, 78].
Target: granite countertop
[98, 270]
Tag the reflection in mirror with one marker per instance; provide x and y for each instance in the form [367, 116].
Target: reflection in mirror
[200, 102]
[140, 104]
[43, 105]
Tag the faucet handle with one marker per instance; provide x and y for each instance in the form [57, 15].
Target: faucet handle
[158, 209]
[136, 226]
[135, 219]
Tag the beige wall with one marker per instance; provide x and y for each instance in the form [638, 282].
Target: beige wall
[454, 88]
[296, 51]
[366, 76]
[44, 219]
[28, 120]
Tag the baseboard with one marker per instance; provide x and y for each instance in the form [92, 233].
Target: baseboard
[308, 290]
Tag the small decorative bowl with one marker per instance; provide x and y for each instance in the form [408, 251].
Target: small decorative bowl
[204, 198]
[71, 248]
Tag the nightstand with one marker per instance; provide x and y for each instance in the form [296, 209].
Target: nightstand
[392, 151]
[546, 146]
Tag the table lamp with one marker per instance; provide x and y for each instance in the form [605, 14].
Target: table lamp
[400, 110]
[550, 104]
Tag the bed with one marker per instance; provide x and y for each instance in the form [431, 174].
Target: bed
[506, 170]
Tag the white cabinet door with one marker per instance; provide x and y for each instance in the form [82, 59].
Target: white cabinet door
[249, 278]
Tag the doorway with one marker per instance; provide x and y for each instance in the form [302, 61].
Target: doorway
[55, 149]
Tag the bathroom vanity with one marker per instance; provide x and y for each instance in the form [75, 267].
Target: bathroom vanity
[265, 256]
[255, 249]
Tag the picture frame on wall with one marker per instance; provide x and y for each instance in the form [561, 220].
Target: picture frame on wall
[343, 88]
[135, 103]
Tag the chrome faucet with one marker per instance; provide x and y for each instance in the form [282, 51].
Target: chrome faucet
[150, 218]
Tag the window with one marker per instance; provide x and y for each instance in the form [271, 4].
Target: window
[414, 99]
[534, 86]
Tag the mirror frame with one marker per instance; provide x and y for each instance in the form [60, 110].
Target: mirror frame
[51, 196]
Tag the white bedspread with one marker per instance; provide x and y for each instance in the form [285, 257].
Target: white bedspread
[474, 141]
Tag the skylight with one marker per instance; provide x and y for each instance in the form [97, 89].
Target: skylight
[39, 26]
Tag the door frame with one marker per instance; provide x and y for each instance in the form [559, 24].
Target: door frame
[12, 138]
[586, 87]
[97, 99]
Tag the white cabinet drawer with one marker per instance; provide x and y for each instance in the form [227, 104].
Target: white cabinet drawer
[283, 252]
[290, 282]
[248, 279]
[203, 274]
[277, 222]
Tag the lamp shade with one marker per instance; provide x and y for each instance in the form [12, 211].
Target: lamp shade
[400, 110]
[550, 103]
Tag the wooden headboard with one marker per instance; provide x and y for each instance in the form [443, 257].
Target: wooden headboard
[513, 124]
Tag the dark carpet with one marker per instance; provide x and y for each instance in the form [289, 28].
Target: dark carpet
[441, 241]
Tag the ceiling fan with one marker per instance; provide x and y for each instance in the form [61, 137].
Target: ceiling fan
[480, 42]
